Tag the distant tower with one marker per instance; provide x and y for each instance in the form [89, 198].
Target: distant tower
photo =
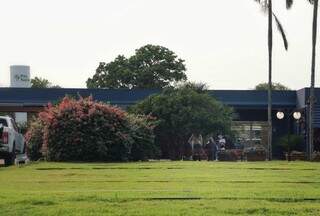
[20, 76]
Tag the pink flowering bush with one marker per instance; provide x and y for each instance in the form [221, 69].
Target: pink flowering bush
[34, 139]
[85, 130]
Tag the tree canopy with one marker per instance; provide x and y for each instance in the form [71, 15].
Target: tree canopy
[275, 86]
[182, 111]
[151, 67]
[39, 82]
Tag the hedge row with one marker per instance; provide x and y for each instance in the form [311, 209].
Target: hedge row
[85, 130]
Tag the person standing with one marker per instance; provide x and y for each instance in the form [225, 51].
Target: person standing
[212, 149]
[196, 143]
[222, 142]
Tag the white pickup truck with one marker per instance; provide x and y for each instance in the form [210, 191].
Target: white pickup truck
[11, 140]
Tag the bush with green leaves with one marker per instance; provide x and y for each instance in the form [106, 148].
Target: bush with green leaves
[141, 133]
[85, 130]
[182, 111]
[291, 142]
[34, 139]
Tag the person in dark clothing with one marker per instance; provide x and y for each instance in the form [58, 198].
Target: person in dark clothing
[208, 151]
[212, 149]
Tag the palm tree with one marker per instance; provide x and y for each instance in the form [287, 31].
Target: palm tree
[313, 65]
[267, 7]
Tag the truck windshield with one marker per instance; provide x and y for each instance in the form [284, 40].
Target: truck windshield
[3, 122]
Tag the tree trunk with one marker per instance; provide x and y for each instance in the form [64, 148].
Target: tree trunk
[313, 65]
[270, 40]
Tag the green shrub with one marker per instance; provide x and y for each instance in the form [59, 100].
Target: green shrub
[141, 133]
[255, 153]
[84, 130]
[291, 143]
[182, 111]
[227, 155]
[34, 139]
[23, 127]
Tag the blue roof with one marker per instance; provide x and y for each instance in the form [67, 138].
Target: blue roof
[33, 96]
[255, 99]
[124, 97]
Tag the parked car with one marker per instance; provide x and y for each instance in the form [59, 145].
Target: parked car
[12, 142]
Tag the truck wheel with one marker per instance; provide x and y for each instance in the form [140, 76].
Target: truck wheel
[13, 155]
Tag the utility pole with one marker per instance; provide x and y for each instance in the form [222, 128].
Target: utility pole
[313, 67]
[270, 40]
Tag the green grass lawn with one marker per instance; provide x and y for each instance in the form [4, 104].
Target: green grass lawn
[161, 188]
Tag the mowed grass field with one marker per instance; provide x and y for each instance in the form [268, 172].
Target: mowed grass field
[161, 188]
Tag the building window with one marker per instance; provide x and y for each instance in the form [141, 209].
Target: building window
[251, 134]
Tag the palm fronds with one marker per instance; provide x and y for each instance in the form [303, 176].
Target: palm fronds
[264, 6]
[281, 30]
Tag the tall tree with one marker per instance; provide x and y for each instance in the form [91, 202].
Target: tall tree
[267, 7]
[313, 66]
[181, 111]
[275, 86]
[39, 82]
[113, 75]
[150, 67]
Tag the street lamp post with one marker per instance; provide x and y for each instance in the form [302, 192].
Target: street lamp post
[296, 115]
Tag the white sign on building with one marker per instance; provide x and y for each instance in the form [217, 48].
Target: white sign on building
[20, 76]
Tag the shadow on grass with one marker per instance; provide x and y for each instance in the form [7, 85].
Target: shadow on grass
[106, 168]
[121, 200]
[172, 198]
[51, 168]
[270, 199]
[133, 168]
[36, 202]
[173, 181]
[100, 199]
[259, 211]
[278, 168]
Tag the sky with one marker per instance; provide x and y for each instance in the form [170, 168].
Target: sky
[223, 43]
